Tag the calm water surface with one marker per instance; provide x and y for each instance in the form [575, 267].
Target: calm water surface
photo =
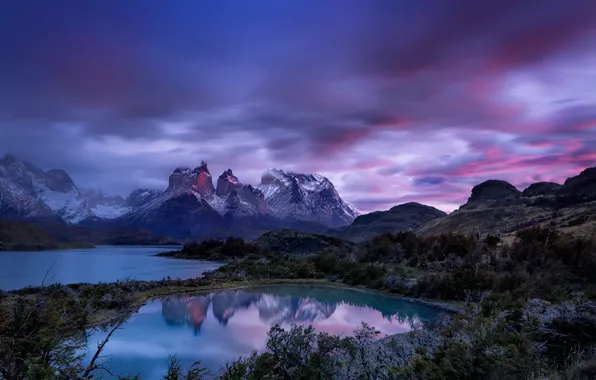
[101, 264]
[219, 327]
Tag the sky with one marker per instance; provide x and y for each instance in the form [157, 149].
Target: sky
[393, 100]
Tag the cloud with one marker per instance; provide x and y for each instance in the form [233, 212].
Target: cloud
[393, 100]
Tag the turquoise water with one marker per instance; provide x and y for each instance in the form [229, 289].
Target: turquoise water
[101, 264]
[218, 327]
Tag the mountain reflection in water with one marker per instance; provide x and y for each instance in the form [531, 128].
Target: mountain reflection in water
[275, 307]
[220, 327]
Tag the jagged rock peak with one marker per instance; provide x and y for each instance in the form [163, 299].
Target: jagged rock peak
[186, 170]
[494, 189]
[229, 176]
[227, 182]
[227, 173]
[196, 180]
[202, 168]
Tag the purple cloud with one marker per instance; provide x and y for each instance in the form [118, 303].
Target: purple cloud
[393, 100]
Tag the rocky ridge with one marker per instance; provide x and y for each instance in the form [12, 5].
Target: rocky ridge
[28, 192]
[305, 197]
[497, 207]
[192, 206]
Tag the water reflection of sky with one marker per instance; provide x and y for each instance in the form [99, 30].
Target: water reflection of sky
[217, 328]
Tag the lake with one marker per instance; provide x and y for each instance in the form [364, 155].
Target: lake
[218, 327]
[100, 264]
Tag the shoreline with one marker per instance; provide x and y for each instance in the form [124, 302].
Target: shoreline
[143, 297]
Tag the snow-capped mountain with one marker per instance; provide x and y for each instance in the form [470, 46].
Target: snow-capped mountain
[27, 191]
[18, 199]
[230, 198]
[305, 197]
[193, 206]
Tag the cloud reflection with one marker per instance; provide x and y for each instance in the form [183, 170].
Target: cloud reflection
[219, 327]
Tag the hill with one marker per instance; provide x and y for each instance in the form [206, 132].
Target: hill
[295, 243]
[277, 243]
[405, 217]
[498, 208]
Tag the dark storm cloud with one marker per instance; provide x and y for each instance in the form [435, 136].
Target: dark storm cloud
[400, 92]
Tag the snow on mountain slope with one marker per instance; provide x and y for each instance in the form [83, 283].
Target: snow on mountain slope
[70, 206]
[288, 197]
[18, 196]
[27, 191]
[231, 198]
[305, 197]
[109, 211]
[105, 206]
[16, 203]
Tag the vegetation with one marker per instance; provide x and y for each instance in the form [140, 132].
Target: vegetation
[282, 242]
[295, 243]
[530, 304]
[212, 249]
[21, 236]
[528, 311]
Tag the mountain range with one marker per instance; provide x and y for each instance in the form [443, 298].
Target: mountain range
[28, 192]
[194, 206]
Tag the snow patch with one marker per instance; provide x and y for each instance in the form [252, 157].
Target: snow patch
[109, 212]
